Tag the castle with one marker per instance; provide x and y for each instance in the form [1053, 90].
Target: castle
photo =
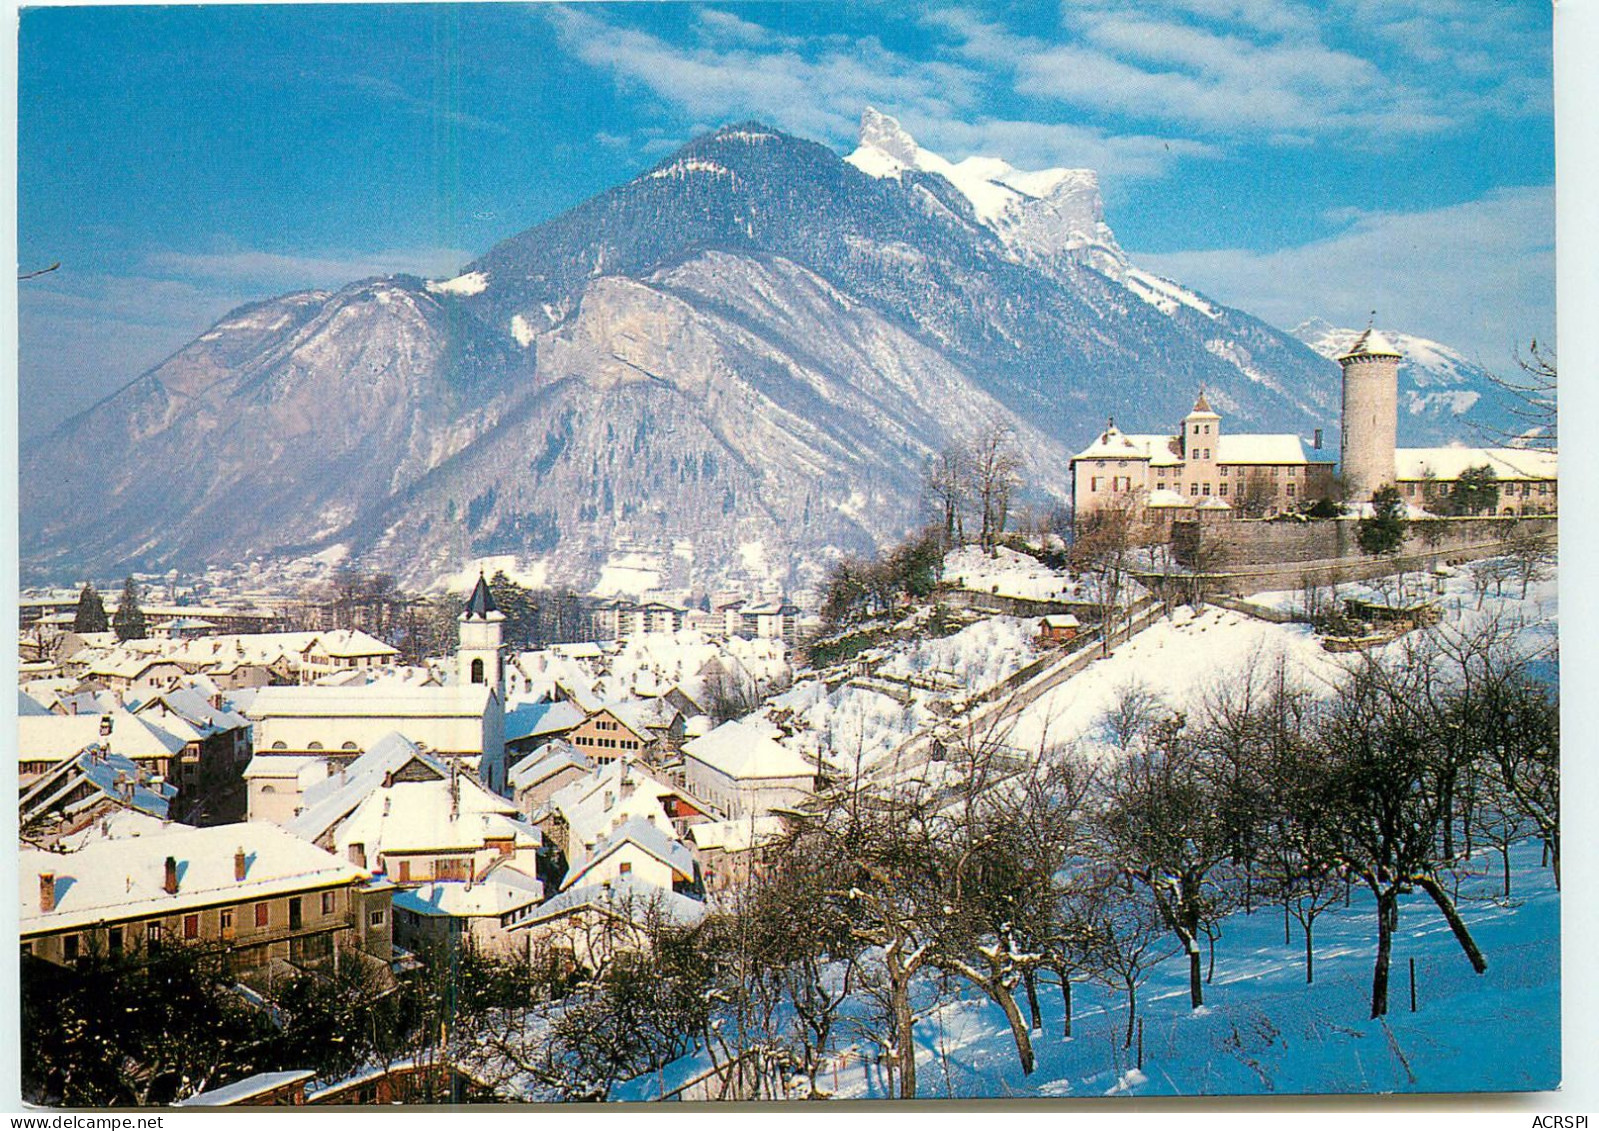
[1202, 472]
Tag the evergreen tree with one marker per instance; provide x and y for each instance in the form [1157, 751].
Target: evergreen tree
[129, 621]
[90, 616]
[521, 612]
[1383, 532]
[1476, 491]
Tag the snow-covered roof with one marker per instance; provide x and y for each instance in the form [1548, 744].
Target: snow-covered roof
[422, 816]
[742, 752]
[1113, 443]
[119, 824]
[109, 775]
[280, 765]
[28, 706]
[638, 832]
[595, 804]
[547, 761]
[737, 835]
[1451, 463]
[1372, 342]
[51, 738]
[502, 891]
[1162, 497]
[248, 1088]
[330, 801]
[626, 898]
[1061, 620]
[371, 702]
[114, 880]
[533, 720]
[1260, 448]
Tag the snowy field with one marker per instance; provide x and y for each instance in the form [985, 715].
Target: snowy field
[1262, 1029]
[1185, 656]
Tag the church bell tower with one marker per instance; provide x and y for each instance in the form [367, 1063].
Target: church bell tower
[478, 659]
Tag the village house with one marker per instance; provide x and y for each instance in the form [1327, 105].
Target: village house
[275, 784]
[543, 773]
[480, 915]
[530, 726]
[89, 789]
[581, 814]
[638, 848]
[589, 926]
[46, 741]
[610, 732]
[1058, 628]
[254, 889]
[415, 817]
[732, 853]
[744, 772]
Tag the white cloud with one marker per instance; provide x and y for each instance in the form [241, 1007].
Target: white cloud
[1285, 72]
[818, 88]
[1478, 276]
[271, 269]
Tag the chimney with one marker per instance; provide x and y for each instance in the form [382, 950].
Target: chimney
[170, 886]
[1316, 443]
[105, 726]
[357, 851]
[240, 865]
[47, 891]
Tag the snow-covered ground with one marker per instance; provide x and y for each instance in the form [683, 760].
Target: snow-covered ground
[855, 721]
[1262, 1029]
[1184, 657]
[1008, 574]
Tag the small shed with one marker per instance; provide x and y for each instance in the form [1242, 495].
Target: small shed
[1058, 628]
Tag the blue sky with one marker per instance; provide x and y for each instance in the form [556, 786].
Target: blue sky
[1292, 159]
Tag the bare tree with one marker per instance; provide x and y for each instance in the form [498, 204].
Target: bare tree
[947, 478]
[995, 468]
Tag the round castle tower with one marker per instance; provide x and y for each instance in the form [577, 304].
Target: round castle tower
[1371, 414]
[478, 657]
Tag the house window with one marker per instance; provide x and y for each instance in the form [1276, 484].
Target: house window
[1196, 429]
[1222, 490]
[1160, 473]
[227, 920]
[477, 671]
[1290, 490]
[405, 871]
[69, 948]
[114, 938]
[263, 914]
[191, 926]
[1193, 488]
[152, 935]
[1224, 471]
[1206, 489]
[375, 919]
[327, 903]
[625, 867]
[1291, 472]
[1543, 488]
[1093, 483]
[1410, 489]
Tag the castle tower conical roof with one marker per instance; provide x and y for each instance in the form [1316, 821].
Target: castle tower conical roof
[1371, 343]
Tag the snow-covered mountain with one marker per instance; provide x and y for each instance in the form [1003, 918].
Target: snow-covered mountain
[740, 360]
[1437, 385]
